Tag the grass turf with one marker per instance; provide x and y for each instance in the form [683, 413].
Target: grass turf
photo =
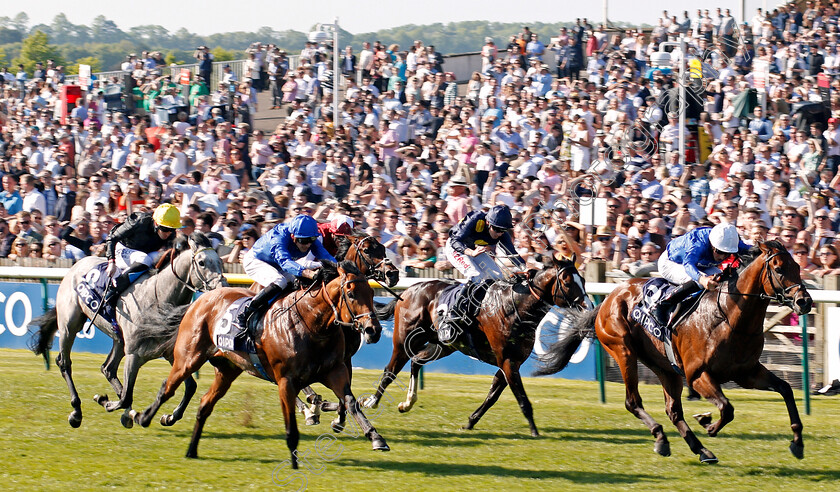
[584, 445]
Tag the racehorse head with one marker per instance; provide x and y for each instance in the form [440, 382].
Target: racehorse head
[780, 277]
[371, 259]
[564, 283]
[354, 305]
[205, 271]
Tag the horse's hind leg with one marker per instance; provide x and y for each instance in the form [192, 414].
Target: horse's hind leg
[672, 383]
[499, 385]
[132, 366]
[710, 389]
[627, 362]
[67, 336]
[177, 414]
[182, 370]
[763, 379]
[226, 373]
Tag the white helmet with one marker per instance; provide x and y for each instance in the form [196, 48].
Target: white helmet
[724, 237]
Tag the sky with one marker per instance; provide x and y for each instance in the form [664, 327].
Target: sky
[211, 16]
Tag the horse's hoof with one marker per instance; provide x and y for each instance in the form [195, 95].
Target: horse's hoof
[75, 419]
[379, 444]
[535, 433]
[370, 402]
[706, 457]
[167, 420]
[192, 454]
[328, 406]
[101, 399]
[402, 407]
[126, 421]
[313, 420]
[337, 427]
[704, 419]
[798, 450]
[110, 406]
[663, 448]
[468, 427]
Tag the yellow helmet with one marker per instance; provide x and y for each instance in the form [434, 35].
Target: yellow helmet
[167, 215]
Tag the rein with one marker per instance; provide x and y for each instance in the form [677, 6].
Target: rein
[205, 284]
[356, 317]
[780, 292]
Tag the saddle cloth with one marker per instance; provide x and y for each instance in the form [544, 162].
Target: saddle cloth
[451, 305]
[91, 289]
[226, 329]
[654, 290]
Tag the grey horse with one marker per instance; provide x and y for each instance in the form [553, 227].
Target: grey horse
[192, 265]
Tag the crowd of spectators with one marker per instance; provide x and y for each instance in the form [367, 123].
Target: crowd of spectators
[415, 151]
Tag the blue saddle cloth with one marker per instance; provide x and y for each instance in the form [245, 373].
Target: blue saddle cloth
[91, 290]
[642, 313]
[227, 328]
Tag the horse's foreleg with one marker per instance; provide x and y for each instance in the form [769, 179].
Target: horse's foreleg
[672, 383]
[710, 389]
[110, 369]
[182, 370]
[763, 379]
[628, 364]
[132, 367]
[177, 414]
[499, 385]
[338, 380]
[395, 365]
[226, 373]
[288, 395]
[514, 380]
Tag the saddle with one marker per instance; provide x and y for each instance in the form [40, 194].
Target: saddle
[227, 327]
[654, 290]
[460, 303]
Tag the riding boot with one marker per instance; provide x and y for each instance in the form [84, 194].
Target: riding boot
[663, 308]
[123, 281]
[259, 304]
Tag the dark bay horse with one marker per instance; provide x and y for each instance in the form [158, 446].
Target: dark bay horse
[302, 343]
[504, 336]
[192, 265]
[719, 342]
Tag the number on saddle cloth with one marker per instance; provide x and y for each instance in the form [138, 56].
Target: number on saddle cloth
[653, 291]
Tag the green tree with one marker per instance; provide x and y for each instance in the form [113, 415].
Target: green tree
[221, 54]
[37, 48]
[94, 62]
[2, 56]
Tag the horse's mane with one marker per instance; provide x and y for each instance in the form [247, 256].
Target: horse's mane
[344, 247]
[182, 244]
[329, 270]
[755, 251]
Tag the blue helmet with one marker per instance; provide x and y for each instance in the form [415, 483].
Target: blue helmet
[499, 217]
[304, 226]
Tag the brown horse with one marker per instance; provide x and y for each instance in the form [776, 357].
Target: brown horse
[719, 342]
[504, 336]
[302, 343]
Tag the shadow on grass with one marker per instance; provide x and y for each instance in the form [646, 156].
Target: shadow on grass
[458, 469]
[802, 473]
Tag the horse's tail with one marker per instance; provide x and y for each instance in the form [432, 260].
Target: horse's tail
[385, 311]
[41, 340]
[560, 352]
[159, 328]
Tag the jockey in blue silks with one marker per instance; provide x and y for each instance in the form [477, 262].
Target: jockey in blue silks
[280, 256]
[693, 260]
[467, 250]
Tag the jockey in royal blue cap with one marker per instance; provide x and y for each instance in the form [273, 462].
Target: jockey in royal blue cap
[692, 260]
[467, 249]
[285, 252]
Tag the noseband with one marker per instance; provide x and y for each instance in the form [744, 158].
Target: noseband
[204, 282]
[354, 323]
[781, 294]
[539, 293]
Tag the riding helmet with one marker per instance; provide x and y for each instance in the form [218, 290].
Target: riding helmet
[341, 225]
[499, 217]
[724, 237]
[304, 226]
[167, 215]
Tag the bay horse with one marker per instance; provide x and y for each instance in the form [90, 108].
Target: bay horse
[302, 343]
[504, 336]
[191, 265]
[719, 342]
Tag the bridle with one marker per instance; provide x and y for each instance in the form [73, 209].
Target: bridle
[539, 293]
[781, 294]
[354, 323]
[203, 281]
[373, 268]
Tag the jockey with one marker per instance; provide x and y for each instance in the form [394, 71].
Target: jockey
[467, 249]
[276, 260]
[692, 260]
[341, 225]
[133, 246]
